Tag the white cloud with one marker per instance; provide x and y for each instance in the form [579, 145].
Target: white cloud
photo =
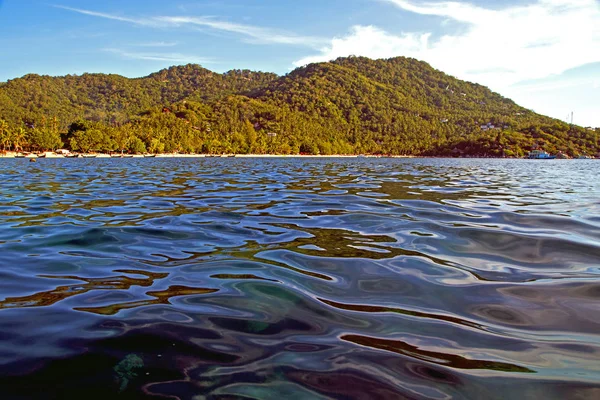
[165, 57]
[371, 42]
[252, 34]
[497, 47]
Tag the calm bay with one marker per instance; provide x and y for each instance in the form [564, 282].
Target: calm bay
[299, 278]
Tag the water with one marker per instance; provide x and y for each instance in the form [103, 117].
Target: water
[299, 279]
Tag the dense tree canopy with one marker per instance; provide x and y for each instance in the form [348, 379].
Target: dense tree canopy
[351, 105]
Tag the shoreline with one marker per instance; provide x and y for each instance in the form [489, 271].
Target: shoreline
[53, 155]
[178, 155]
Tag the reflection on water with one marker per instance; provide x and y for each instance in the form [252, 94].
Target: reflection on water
[295, 279]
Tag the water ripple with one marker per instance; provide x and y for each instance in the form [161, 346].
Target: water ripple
[299, 278]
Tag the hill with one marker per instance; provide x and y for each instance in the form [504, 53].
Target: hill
[113, 98]
[351, 105]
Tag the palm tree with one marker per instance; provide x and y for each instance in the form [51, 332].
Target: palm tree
[19, 139]
[4, 134]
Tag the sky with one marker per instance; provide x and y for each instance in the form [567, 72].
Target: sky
[544, 54]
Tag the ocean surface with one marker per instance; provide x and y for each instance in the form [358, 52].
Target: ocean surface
[299, 279]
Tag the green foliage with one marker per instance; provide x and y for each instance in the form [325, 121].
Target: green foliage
[87, 137]
[137, 146]
[45, 136]
[351, 105]
[5, 135]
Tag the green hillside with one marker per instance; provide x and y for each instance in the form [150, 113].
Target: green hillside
[349, 106]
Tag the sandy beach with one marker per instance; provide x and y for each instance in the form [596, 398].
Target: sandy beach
[49, 154]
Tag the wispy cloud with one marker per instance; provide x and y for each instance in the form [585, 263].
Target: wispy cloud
[455, 10]
[553, 85]
[496, 47]
[136, 21]
[157, 44]
[252, 34]
[163, 57]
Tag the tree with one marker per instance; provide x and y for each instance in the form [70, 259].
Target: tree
[350, 105]
[5, 135]
[137, 146]
[85, 141]
[45, 137]
[122, 138]
[249, 132]
[156, 146]
[309, 148]
[20, 139]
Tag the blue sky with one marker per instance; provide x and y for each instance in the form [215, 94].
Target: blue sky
[544, 54]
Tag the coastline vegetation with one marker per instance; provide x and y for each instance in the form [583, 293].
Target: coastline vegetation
[353, 105]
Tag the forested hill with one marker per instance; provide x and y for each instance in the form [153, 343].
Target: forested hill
[351, 105]
[115, 99]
